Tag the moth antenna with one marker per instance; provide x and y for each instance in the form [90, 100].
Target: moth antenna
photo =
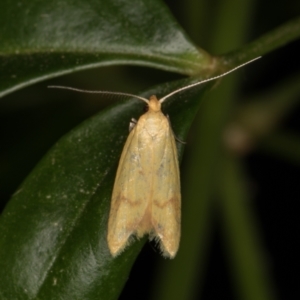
[206, 80]
[97, 92]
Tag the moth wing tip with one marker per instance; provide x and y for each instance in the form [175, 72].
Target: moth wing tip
[168, 248]
[116, 247]
[168, 253]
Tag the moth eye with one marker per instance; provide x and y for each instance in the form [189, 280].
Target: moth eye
[146, 108]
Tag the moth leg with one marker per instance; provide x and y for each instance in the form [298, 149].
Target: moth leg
[176, 138]
[132, 123]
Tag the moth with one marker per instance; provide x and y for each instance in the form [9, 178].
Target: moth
[146, 196]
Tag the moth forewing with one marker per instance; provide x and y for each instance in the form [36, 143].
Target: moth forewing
[166, 214]
[123, 202]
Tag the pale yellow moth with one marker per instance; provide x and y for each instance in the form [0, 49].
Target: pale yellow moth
[146, 196]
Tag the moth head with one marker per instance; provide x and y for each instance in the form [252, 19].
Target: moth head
[154, 104]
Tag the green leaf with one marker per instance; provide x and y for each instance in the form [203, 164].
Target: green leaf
[278, 37]
[42, 39]
[53, 231]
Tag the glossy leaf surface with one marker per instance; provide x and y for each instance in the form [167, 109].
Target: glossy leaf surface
[53, 231]
[43, 39]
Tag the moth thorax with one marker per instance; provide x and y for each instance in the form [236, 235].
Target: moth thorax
[154, 104]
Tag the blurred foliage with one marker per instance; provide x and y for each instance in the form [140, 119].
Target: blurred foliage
[240, 168]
